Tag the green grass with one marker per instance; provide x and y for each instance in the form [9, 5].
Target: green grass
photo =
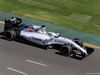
[81, 15]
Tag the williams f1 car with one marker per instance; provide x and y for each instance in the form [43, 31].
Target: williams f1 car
[39, 35]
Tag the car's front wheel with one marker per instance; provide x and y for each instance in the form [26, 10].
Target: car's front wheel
[78, 41]
[66, 50]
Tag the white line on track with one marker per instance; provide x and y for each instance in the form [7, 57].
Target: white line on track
[36, 63]
[17, 71]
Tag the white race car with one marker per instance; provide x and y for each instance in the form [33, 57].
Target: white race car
[39, 35]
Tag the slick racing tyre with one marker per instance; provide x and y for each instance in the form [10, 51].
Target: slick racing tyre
[10, 34]
[66, 50]
[78, 41]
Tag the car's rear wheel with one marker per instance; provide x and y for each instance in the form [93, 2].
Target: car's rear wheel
[10, 34]
[78, 41]
[66, 50]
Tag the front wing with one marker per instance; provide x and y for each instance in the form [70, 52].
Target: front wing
[82, 56]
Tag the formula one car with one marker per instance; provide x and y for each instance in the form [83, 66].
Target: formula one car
[39, 35]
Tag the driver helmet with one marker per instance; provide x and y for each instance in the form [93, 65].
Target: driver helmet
[49, 33]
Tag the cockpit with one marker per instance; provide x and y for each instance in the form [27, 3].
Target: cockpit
[52, 34]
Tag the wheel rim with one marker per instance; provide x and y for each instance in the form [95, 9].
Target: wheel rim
[65, 51]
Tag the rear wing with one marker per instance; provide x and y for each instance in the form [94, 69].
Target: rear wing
[12, 23]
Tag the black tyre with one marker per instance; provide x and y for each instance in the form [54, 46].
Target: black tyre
[46, 47]
[66, 50]
[78, 41]
[10, 34]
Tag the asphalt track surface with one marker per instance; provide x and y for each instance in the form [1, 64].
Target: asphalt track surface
[17, 58]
